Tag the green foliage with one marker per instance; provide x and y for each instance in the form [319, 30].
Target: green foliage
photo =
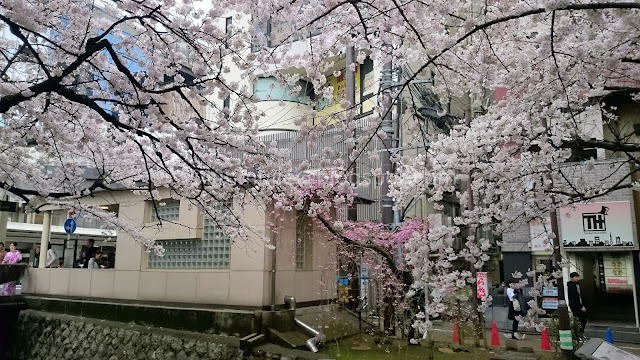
[553, 327]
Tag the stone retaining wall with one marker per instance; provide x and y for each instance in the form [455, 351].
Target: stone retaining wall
[46, 336]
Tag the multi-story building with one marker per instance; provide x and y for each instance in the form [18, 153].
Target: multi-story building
[599, 237]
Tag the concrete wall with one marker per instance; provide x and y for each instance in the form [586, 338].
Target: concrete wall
[318, 279]
[247, 282]
[47, 336]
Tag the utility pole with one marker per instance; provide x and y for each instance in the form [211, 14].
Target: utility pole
[564, 324]
[352, 211]
[350, 74]
[386, 84]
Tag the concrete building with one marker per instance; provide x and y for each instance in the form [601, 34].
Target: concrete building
[201, 264]
[599, 238]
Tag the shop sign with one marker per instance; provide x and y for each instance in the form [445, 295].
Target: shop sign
[615, 270]
[539, 232]
[550, 291]
[369, 83]
[597, 226]
[617, 281]
[550, 303]
[482, 279]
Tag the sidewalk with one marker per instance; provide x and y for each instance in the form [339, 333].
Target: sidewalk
[443, 332]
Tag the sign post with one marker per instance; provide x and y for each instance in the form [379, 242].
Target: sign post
[69, 227]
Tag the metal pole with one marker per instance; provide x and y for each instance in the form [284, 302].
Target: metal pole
[75, 250]
[352, 211]
[387, 144]
[564, 324]
[44, 240]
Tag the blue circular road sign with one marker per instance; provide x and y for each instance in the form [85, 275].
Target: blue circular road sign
[69, 226]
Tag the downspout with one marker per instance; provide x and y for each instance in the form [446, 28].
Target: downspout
[318, 337]
[273, 271]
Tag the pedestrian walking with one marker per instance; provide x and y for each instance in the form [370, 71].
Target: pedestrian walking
[517, 307]
[52, 258]
[576, 303]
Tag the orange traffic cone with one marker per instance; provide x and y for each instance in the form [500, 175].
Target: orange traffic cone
[544, 340]
[456, 337]
[495, 339]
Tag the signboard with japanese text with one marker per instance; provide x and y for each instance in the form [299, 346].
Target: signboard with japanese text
[539, 232]
[616, 268]
[483, 280]
[550, 303]
[550, 291]
[597, 226]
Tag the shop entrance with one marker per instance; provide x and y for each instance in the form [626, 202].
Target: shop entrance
[606, 286]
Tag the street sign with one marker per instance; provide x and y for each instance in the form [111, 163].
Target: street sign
[69, 226]
[9, 206]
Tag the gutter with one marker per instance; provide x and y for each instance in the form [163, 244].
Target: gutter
[317, 338]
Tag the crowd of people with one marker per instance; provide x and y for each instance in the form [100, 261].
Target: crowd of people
[90, 257]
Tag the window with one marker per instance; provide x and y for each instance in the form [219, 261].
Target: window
[304, 228]
[167, 210]
[226, 104]
[212, 252]
[227, 28]
[269, 88]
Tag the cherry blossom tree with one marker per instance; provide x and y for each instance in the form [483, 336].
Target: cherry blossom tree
[127, 91]
[559, 62]
[133, 88]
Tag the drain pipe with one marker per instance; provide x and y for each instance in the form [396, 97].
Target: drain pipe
[318, 337]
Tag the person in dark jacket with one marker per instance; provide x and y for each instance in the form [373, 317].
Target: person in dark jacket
[515, 295]
[575, 299]
[86, 254]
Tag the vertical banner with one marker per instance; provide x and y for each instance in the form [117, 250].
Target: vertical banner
[482, 278]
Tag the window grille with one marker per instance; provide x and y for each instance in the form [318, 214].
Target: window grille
[169, 212]
[212, 252]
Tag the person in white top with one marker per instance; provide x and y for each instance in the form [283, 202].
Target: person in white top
[52, 258]
[93, 262]
[517, 307]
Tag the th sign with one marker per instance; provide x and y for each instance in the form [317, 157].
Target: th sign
[69, 226]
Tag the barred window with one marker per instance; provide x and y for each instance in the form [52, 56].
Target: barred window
[303, 239]
[168, 210]
[212, 252]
